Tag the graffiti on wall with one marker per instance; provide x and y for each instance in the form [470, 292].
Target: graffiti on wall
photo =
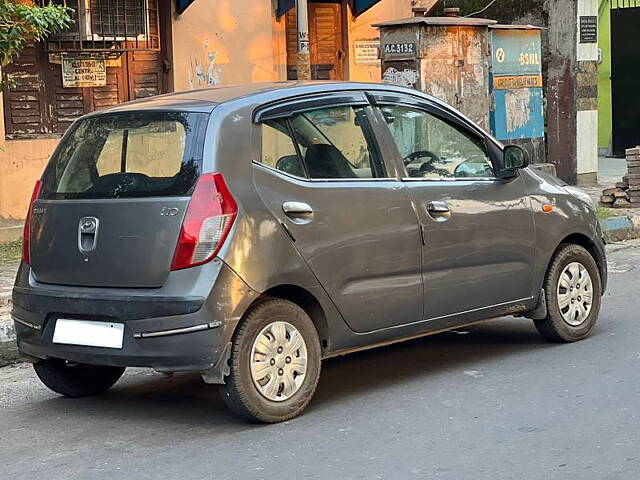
[204, 73]
[405, 78]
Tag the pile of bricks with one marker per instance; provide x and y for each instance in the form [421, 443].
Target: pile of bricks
[626, 194]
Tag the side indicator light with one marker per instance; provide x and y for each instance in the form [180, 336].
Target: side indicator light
[547, 208]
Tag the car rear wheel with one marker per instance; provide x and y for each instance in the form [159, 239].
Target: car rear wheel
[275, 363]
[75, 379]
[573, 291]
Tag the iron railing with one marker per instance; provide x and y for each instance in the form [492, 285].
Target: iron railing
[108, 25]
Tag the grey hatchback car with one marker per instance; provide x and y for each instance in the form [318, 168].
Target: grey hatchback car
[249, 232]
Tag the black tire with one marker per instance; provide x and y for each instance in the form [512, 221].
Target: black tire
[239, 392]
[554, 328]
[76, 380]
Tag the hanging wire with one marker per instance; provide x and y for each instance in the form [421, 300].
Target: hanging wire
[480, 11]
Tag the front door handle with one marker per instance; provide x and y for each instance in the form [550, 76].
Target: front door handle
[298, 212]
[439, 211]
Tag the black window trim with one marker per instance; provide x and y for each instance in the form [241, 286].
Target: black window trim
[384, 98]
[285, 109]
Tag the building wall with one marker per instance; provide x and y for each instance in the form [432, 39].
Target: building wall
[218, 42]
[21, 163]
[360, 29]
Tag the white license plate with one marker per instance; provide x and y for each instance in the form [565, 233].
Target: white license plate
[88, 333]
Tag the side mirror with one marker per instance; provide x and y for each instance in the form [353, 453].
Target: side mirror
[514, 159]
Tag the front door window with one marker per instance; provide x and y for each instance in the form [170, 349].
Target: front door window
[434, 149]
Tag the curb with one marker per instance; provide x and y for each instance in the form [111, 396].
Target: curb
[8, 348]
[617, 229]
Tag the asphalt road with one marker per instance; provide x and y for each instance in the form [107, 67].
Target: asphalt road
[490, 402]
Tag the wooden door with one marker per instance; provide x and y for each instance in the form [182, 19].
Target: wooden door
[144, 74]
[325, 41]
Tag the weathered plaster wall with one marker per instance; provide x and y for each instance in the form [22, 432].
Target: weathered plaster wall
[21, 163]
[360, 29]
[219, 42]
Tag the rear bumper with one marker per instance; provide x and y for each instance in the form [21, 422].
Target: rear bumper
[178, 348]
[162, 329]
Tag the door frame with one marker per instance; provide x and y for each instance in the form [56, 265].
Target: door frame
[618, 76]
[344, 36]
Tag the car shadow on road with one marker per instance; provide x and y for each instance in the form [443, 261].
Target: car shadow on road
[465, 351]
[184, 399]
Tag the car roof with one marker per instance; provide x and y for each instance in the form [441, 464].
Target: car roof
[207, 99]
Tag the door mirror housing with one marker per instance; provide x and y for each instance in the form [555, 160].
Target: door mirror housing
[514, 158]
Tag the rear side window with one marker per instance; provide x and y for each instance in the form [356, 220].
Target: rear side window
[125, 155]
[278, 148]
[332, 143]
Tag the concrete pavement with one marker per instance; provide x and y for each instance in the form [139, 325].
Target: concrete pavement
[489, 402]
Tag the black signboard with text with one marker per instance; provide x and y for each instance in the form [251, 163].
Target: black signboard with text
[588, 29]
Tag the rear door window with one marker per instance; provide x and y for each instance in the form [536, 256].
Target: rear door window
[278, 149]
[338, 143]
[126, 155]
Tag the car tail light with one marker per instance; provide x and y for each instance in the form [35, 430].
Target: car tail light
[207, 222]
[26, 236]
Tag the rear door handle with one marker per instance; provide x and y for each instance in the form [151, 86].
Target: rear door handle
[298, 212]
[439, 211]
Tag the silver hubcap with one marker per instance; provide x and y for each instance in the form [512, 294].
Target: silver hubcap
[575, 294]
[278, 361]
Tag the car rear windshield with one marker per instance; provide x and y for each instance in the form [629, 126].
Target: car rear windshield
[123, 155]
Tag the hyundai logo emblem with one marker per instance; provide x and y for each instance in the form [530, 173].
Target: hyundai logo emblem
[88, 224]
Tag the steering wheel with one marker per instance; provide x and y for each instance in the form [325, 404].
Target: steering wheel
[412, 157]
[474, 167]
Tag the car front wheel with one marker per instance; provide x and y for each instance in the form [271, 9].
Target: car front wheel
[275, 363]
[573, 291]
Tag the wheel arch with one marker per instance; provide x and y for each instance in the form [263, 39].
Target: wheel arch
[589, 245]
[305, 300]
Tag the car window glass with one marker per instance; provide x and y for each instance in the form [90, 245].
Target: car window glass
[337, 143]
[278, 149]
[144, 146]
[124, 155]
[434, 149]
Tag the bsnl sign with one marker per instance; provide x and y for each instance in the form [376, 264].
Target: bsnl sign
[517, 61]
[516, 52]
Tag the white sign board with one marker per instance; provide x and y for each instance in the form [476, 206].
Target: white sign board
[366, 51]
[84, 71]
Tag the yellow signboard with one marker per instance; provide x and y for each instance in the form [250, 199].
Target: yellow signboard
[517, 81]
